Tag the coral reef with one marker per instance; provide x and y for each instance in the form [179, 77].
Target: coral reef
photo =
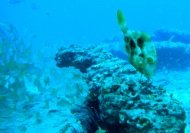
[121, 100]
[170, 55]
[80, 58]
[173, 56]
[31, 100]
[171, 35]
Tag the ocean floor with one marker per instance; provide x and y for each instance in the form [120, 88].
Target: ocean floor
[177, 83]
[38, 97]
[46, 117]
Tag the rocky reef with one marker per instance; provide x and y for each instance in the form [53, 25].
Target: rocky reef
[172, 35]
[173, 56]
[121, 100]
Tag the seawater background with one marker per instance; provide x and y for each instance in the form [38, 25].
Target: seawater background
[89, 21]
[49, 24]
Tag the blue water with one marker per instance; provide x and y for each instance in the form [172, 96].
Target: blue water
[73, 21]
[33, 31]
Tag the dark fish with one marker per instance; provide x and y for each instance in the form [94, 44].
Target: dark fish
[34, 6]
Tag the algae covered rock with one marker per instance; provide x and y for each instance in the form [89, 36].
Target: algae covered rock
[80, 58]
[140, 49]
[121, 100]
[132, 104]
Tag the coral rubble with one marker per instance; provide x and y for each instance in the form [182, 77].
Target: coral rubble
[121, 99]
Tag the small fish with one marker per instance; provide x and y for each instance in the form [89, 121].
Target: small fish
[100, 130]
[34, 6]
[47, 13]
[15, 1]
[46, 81]
[2, 97]
[53, 111]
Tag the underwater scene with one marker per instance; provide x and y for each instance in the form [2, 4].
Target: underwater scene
[94, 66]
